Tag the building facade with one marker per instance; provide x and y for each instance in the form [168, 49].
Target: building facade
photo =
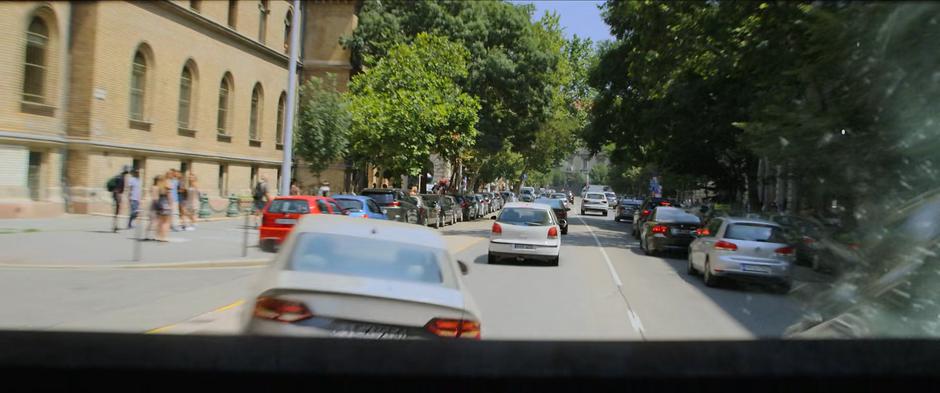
[199, 86]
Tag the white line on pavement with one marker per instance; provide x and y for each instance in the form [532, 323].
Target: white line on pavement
[634, 318]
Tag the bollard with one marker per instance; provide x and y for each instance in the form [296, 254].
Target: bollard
[232, 206]
[204, 209]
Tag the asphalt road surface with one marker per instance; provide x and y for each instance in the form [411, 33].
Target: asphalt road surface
[603, 289]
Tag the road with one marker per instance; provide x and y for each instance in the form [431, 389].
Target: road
[603, 289]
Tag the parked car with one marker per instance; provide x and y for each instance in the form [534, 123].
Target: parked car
[806, 234]
[466, 207]
[435, 212]
[642, 213]
[560, 208]
[360, 206]
[396, 203]
[451, 205]
[560, 196]
[594, 201]
[476, 206]
[525, 231]
[487, 202]
[625, 210]
[668, 229]
[281, 214]
[527, 198]
[372, 279]
[742, 249]
[611, 199]
[509, 196]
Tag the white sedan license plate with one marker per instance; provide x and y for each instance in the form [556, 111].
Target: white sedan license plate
[756, 268]
[680, 231]
[368, 332]
[285, 221]
[523, 246]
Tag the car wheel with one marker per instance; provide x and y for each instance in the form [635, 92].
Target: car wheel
[491, 259]
[564, 231]
[709, 278]
[605, 213]
[553, 261]
[582, 212]
[691, 268]
[437, 222]
[616, 219]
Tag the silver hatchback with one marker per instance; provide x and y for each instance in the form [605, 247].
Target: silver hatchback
[742, 249]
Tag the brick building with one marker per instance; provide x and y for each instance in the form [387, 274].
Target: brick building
[199, 86]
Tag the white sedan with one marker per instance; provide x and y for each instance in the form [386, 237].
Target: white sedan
[525, 231]
[342, 277]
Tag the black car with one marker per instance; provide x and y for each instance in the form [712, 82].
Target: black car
[396, 202]
[643, 212]
[560, 209]
[625, 209]
[668, 228]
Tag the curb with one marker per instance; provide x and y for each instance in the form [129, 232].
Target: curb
[145, 218]
[218, 264]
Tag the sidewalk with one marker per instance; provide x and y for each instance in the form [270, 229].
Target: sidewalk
[83, 240]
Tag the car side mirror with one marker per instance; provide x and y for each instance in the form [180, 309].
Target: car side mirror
[464, 269]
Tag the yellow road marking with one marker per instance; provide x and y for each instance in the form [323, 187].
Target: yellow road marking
[230, 306]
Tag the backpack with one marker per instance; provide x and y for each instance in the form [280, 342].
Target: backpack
[115, 184]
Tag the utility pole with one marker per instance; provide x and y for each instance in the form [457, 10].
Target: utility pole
[289, 112]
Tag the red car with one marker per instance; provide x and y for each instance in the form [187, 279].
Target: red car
[281, 213]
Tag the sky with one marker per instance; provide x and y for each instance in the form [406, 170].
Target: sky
[579, 17]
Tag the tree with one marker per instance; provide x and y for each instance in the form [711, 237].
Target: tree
[512, 66]
[322, 134]
[410, 105]
[598, 174]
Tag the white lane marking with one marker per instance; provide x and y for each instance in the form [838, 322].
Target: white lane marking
[634, 317]
[635, 321]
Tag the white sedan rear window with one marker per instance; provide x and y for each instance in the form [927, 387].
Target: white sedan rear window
[595, 196]
[373, 258]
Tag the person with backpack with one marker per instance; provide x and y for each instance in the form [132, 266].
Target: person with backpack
[260, 198]
[115, 186]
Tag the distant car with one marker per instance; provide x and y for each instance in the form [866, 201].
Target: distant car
[527, 198]
[456, 213]
[807, 235]
[625, 210]
[360, 206]
[642, 213]
[509, 196]
[611, 199]
[594, 201]
[373, 279]
[668, 229]
[742, 249]
[281, 214]
[525, 231]
[396, 203]
[560, 207]
[466, 207]
[437, 214]
[560, 196]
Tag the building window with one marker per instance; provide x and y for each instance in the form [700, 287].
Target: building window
[186, 95]
[279, 131]
[225, 92]
[263, 20]
[223, 179]
[138, 86]
[34, 175]
[37, 44]
[232, 13]
[195, 5]
[255, 114]
[287, 27]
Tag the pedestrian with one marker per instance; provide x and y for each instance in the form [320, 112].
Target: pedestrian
[294, 188]
[115, 186]
[324, 189]
[189, 199]
[260, 197]
[133, 196]
[160, 208]
[173, 182]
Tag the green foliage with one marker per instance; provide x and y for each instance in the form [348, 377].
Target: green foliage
[410, 105]
[322, 134]
[598, 174]
[516, 67]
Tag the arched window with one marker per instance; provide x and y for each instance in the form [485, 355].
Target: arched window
[287, 27]
[279, 131]
[187, 81]
[138, 86]
[263, 20]
[257, 97]
[225, 93]
[37, 46]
